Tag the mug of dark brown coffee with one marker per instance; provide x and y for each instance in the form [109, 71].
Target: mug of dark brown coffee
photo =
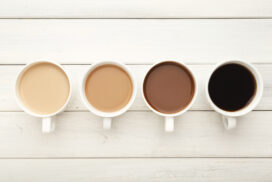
[234, 88]
[169, 89]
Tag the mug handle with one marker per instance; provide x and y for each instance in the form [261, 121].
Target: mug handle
[169, 124]
[47, 125]
[229, 122]
[107, 123]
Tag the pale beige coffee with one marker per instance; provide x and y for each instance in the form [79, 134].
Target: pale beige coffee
[44, 88]
[108, 88]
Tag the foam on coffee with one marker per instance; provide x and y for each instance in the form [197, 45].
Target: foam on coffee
[108, 88]
[43, 88]
[169, 87]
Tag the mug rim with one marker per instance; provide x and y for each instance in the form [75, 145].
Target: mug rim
[99, 112]
[18, 99]
[258, 93]
[184, 109]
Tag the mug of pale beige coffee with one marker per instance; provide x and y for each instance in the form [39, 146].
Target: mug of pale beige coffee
[108, 89]
[43, 90]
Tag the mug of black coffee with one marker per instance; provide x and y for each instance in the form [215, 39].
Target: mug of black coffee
[234, 88]
[169, 89]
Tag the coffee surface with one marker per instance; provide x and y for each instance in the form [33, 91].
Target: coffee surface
[232, 87]
[108, 88]
[169, 87]
[44, 88]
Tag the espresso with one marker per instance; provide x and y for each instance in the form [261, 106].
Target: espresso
[232, 87]
[108, 88]
[43, 88]
[168, 87]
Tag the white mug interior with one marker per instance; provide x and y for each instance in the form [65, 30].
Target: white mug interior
[229, 116]
[169, 117]
[108, 115]
[47, 124]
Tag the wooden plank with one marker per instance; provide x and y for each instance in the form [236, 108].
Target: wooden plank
[123, 170]
[8, 75]
[135, 134]
[135, 41]
[136, 9]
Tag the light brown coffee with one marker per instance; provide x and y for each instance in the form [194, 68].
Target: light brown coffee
[44, 88]
[108, 88]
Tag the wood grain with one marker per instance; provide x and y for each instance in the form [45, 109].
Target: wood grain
[136, 9]
[137, 148]
[134, 41]
[135, 134]
[134, 170]
[8, 74]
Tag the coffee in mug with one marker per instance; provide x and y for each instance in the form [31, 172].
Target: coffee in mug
[43, 90]
[108, 89]
[169, 89]
[233, 89]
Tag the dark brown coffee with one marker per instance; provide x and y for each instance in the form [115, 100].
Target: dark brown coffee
[232, 87]
[169, 87]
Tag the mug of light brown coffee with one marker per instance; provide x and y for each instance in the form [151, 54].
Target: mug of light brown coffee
[108, 89]
[43, 90]
[169, 89]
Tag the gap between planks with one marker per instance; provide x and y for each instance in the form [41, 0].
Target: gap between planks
[146, 158]
[132, 64]
[86, 111]
[159, 18]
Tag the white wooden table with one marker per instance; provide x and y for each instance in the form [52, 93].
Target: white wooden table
[77, 33]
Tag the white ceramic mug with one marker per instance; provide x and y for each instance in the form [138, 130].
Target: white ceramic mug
[169, 118]
[229, 118]
[107, 116]
[47, 123]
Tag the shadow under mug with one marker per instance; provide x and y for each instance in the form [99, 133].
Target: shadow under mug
[47, 123]
[107, 116]
[229, 118]
[169, 118]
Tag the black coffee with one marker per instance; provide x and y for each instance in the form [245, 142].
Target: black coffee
[232, 87]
